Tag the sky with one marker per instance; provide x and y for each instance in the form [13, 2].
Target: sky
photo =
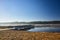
[29, 10]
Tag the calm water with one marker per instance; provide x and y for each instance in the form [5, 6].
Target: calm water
[45, 29]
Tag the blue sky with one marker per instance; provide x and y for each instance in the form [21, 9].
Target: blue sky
[29, 10]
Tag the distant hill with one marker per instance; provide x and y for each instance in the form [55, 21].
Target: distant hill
[45, 22]
[34, 22]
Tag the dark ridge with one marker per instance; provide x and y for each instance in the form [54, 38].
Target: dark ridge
[45, 22]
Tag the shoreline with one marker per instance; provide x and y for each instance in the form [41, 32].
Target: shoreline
[35, 25]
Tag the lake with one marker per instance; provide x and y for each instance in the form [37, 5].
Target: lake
[45, 29]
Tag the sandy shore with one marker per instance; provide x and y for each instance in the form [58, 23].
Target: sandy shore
[22, 35]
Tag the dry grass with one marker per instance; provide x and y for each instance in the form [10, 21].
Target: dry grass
[22, 35]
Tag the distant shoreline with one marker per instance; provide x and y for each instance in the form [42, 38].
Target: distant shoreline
[35, 25]
[47, 25]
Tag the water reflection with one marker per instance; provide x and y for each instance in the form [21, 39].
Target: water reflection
[45, 29]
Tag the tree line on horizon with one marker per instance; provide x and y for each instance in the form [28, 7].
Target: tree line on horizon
[36, 22]
[40, 22]
[45, 22]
